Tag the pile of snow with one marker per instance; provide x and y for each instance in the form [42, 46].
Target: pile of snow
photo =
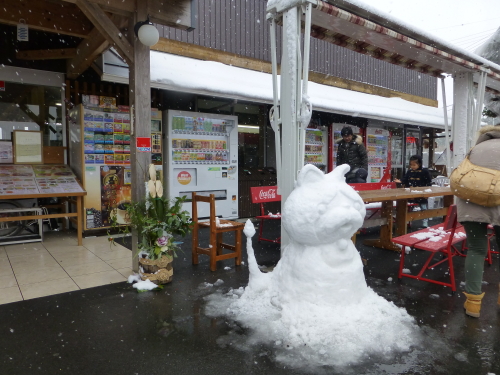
[315, 307]
[145, 285]
[436, 234]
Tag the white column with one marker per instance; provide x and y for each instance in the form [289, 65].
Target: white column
[461, 116]
[288, 105]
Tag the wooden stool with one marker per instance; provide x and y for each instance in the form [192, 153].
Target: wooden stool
[217, 228]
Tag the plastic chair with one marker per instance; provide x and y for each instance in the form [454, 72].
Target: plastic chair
[217, 227]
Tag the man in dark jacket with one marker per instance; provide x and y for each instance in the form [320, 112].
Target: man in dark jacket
[352, 151]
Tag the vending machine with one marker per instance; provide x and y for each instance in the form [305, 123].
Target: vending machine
[377, 147]
[201, 155]
[316, 148]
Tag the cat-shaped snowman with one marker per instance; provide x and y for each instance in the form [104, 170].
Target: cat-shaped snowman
[317, 297]
[320, 216]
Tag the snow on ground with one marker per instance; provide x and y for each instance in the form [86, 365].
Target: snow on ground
[315, 307]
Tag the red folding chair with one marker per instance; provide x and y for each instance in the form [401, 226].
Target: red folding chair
[261, 195]
[490, 235]
[451, 234]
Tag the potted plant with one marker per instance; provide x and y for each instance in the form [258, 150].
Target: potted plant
[156, 220]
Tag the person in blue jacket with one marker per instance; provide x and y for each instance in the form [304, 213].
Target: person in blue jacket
[414, 177]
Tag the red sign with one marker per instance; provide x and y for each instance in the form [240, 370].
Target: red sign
[265, 194]
[143, 144]
[2, 85]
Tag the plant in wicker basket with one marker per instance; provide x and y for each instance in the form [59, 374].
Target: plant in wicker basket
[157, 220]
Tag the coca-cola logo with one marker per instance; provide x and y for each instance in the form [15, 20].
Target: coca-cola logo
[267, 194]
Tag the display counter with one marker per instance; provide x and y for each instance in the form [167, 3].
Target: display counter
[42, 181]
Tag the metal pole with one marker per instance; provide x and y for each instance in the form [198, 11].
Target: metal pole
[275, 111]
[288, 100]
[446, 127]
[298, 103]
[304, 99]
[479, 101]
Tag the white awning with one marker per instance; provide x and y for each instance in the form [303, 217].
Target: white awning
[178, 73]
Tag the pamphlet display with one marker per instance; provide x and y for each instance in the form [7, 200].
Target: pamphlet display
[100, 148]
[202, 156]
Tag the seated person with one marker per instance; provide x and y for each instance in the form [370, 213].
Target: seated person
[417, 176]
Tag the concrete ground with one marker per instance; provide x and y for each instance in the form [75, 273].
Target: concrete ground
[112, 329]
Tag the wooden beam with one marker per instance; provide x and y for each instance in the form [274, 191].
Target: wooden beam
[175, 13]
[64, 19]
[86, 52]
[210, 54]
[89, 49]
[112, 34]
[122, 7]
[47, 54]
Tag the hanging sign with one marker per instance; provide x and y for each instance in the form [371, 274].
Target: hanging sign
[143, 144]
[22, 31]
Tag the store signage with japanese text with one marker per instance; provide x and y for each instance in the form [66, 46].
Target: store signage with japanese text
[143, 144]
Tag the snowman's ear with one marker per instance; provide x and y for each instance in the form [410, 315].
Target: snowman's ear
[309, 174]
[339, 172]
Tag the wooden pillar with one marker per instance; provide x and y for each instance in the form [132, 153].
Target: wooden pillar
[140, 107]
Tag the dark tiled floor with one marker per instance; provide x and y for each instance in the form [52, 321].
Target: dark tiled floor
[115, 330]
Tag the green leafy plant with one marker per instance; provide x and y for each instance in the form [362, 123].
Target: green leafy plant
[156, 219]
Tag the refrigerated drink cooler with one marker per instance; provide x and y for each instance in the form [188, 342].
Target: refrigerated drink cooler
[201, 155]
[377, 147]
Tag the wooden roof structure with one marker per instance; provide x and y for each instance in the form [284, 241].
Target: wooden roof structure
[96, 24]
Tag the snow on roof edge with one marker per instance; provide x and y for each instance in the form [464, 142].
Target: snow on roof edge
[185, 74]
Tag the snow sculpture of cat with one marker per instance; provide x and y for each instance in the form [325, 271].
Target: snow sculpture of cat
[320, 216]
[316, 298]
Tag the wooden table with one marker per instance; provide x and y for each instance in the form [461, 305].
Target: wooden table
[77, 217]
[401, 196]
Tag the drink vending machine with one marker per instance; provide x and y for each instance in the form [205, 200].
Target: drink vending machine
[379, 158]
[201, 155]
[316, 148]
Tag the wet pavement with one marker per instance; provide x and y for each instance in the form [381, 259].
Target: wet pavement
[115, 330]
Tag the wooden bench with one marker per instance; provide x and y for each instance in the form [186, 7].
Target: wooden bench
[440, 238]
[261, 195]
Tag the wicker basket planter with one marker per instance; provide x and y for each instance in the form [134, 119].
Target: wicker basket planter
[158, 271]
